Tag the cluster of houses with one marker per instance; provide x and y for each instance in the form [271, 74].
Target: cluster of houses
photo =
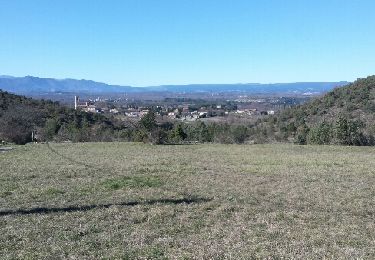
[187, 116]
[177, 112]
[204, 113]
[86, 106]
[89, 106]
[136, 113]
[254, 111]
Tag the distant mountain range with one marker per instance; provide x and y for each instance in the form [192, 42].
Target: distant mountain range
[33, 85]
[29, 84]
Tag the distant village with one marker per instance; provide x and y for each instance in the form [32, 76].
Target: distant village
[185, 111]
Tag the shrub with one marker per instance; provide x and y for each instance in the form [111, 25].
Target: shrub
[322, 134]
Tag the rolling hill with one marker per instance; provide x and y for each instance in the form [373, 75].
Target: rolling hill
[345, 115]
[20, 116]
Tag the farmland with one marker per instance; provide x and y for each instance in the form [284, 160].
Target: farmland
[141, 201]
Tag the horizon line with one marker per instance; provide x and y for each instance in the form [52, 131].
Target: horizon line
[183, 84]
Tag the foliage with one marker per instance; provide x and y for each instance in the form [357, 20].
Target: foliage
[302, 133]
[239, 133]
[321, 134]
[177, 134]
[148, 121]
[348, 132]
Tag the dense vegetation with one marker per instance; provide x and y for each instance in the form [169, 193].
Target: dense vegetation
[343, 116]
[20, 116]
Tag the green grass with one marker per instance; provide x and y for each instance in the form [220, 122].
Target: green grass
[131, 182]
[138, 201]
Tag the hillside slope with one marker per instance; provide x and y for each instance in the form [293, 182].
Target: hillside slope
[20, 116]
[345, 115]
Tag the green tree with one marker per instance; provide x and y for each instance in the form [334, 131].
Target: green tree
[301, 134]
[322, 134]
[158, 136]
[348, 132]
[202, 133]
[51, 128]
[148, 121]
[239, 133]
[178, 134]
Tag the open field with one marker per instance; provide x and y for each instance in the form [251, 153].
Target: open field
[138, 201]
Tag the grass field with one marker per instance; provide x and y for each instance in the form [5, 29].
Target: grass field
[138, 201]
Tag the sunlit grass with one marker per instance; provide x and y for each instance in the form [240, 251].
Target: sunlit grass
[194, 201]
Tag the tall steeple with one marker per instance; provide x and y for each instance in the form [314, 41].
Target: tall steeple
[76, 98]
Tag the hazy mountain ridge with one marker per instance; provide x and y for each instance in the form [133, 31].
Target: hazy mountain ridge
[254, 87]
[29, 84]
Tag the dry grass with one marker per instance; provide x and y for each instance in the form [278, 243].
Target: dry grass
[136, 201]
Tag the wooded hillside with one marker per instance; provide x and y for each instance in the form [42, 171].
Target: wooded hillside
[20, 116]
[345, 115]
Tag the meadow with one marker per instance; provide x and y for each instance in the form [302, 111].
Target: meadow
[206, 201]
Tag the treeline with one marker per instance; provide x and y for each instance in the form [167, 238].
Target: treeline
[148, 130]
[343, 131]
[23, 118]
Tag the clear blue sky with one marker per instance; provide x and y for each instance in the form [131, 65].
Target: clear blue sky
[153, 42]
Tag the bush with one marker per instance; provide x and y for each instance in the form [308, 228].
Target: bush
[321, 134]
[177, 134]
[239, 134]
[301, 135]
[158, 136]
[348, 132]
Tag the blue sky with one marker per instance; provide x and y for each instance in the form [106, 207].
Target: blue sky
[154, 42]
